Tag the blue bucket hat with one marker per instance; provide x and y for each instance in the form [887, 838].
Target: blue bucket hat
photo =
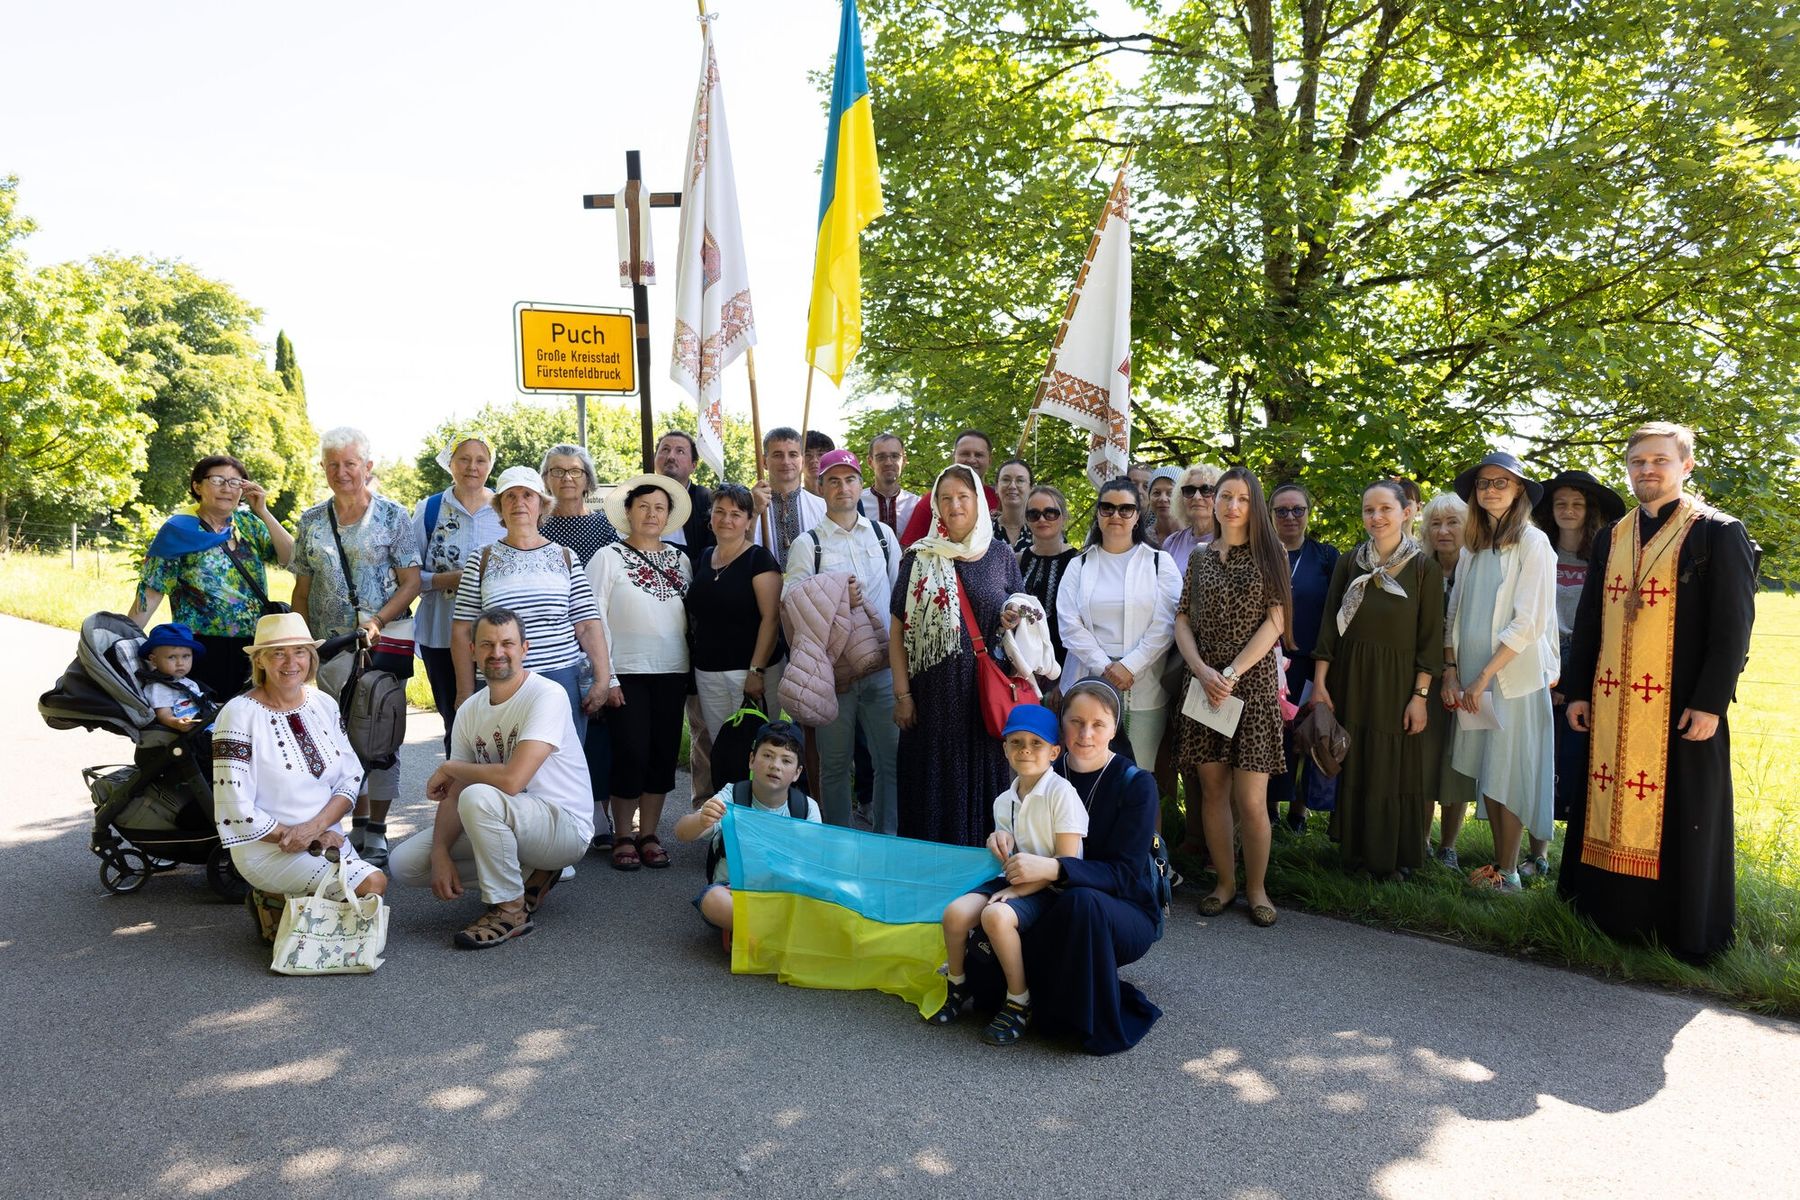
[172, 635]
[1032, 718]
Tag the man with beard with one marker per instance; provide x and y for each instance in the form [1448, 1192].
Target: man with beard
[886, 501]
[676, 457]
[514, 796]
[1660, 637]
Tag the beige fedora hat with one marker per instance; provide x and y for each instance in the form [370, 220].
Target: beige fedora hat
[282, 629]
[680, 507]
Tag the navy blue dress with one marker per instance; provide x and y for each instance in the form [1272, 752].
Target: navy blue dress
[1106, 918]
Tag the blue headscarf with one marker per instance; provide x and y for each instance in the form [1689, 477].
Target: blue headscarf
[184, 534]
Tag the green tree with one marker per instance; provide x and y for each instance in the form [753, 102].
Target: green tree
[1372, 239]
[190, 340]
[71, 435]
[288, 367]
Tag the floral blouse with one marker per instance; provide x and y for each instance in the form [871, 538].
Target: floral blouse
[206, 593]
[379, 546]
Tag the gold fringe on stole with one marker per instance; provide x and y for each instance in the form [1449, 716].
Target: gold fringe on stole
[1629, 757]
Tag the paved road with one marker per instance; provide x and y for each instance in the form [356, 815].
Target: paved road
[147, 1049]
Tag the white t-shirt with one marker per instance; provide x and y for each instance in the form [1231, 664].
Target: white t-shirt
[1034, 819]
[722, 873]
[486, 732]
[181, 698]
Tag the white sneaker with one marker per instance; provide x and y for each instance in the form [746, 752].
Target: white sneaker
[568, 873]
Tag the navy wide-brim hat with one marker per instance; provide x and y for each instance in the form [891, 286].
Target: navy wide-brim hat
[1611, 507]
[172, 634]
[1465, 483]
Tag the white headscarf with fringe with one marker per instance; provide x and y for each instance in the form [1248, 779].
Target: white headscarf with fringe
[933, 626]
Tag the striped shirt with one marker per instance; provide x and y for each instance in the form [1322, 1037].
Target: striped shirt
[545, 586]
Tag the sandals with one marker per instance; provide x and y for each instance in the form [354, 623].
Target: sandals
[492, 928]
[955, 1000]
[537, 893]
[625, 855]
[1008, 1025]
[651, 849]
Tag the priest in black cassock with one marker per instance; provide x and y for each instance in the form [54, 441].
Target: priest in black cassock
[1661, 635]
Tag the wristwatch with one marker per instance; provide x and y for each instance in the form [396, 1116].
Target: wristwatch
[1229, 673]
[1423, 693]
[756, 670]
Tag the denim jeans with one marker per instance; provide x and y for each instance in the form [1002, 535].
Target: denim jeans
[870, 702]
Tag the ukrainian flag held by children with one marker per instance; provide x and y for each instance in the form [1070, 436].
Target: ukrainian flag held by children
[849, 198]
[822, 906]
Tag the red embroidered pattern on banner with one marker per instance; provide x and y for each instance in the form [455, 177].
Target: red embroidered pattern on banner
[703, 115]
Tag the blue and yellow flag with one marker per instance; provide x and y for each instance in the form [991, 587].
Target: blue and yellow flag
[849, 198]
[821, 906]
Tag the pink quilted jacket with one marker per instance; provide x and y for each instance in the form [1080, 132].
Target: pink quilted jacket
[830, 646]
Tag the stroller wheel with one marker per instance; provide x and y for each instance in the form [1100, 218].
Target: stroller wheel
[222, 873]
[124, 870]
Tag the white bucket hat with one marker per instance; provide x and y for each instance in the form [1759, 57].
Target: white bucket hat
[520, 477]
[680, 507]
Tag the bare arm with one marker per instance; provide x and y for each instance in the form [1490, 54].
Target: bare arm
[904, 712]
[302, 593]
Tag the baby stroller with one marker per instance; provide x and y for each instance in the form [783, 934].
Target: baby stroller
[155, 812]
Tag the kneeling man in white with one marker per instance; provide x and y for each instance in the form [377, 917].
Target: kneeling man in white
[513, 798]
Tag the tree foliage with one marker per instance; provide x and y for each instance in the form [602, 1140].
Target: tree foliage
[71, 434]
[1367, 237]
[520, 431]
[190, 340]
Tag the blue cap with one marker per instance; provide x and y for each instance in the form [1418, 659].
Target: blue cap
[1032, 718]
[171, 635]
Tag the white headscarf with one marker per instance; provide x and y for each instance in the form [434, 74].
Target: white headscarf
[933, 626]
[449, 451]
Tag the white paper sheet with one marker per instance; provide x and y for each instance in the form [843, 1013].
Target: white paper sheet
[1487, 718]
[1223, 718]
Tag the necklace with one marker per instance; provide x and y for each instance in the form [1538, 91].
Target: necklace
[1087, 801]
[719, 568]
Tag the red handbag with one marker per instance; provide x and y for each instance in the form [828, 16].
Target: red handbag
[996, 691]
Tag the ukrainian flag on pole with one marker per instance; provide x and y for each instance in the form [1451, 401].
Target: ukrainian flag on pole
[849, 198]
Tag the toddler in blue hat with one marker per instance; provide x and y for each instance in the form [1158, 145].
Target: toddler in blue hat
[180, 703]
[1039, 814]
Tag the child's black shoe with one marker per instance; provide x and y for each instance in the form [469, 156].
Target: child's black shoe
[955, 1000]
[1008, 1025]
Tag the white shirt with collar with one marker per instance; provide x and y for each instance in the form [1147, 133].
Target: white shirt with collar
[1052, 806]
[857, 550]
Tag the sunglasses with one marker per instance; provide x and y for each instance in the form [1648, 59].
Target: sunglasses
[1109, 509]
[1190, 490]
[1043, 514]
[1293, 513]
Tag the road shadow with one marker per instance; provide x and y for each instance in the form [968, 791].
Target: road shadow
[612, 1052]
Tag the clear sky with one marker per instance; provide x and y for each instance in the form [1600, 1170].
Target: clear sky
[386, 180]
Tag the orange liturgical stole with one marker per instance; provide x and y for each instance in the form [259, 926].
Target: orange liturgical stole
[1629, 758]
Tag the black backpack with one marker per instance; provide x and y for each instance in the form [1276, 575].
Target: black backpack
[798, 808]
[373, 706]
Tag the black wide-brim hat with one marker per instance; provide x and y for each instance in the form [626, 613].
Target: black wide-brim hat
[1465, 483]
[1611, 507]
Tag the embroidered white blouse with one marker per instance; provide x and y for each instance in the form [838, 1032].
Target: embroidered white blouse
[274, 767]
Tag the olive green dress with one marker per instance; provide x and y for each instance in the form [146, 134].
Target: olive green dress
[1379, 821]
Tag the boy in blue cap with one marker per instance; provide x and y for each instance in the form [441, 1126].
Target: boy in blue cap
[1039, 814]
[180, 703]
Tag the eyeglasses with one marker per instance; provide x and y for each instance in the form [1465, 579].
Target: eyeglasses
[1043, 514]
[225, 483]
[1290, 512]
[1109, 509]
[1190, 490]
[566, 473]
[1502, 484]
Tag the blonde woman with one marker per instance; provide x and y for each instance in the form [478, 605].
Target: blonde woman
[1194, 494]
[284, 775]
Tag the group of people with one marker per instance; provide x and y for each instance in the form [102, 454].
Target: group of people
[1482, 647]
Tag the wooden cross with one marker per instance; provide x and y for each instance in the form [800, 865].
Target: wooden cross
[1604, 775]
[640, 294]
[1609, 683]
[1646, 689]
[1640, 786]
